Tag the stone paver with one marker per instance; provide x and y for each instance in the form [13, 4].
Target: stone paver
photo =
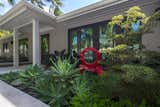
[12, 97]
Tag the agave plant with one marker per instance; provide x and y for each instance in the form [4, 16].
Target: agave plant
[80, 85]
[51, 93]
[9, 77]
[63, 68]
[64, 73]
[28, 77]
[56, 88]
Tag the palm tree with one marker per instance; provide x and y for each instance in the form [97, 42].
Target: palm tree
[54, 8]
[1, 5]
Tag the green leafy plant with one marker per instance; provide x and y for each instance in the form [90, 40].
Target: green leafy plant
[50, 92]
[136, 72]
[64, 72]
[140, 82]
[151, 59]
[64, 68]
[56, 88]
[28, 77]
[9, 77]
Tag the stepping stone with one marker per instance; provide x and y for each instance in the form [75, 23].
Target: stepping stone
[12, 97]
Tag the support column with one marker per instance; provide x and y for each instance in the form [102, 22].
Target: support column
[15, 49]
[36, 43]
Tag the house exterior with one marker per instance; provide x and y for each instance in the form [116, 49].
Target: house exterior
[72, 31]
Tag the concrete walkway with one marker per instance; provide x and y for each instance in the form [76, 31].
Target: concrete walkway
[12, 97]
[4, 70]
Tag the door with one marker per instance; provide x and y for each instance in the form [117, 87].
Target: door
[44, 48]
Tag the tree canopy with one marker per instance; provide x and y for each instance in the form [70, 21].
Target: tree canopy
[4, 33]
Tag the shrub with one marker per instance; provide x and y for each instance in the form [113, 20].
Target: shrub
[81, 85]
[92, 100]
[9, 77]
[51, 93]
[30, 75]
[64, 72]
[56, 88]
[135, 73]
[118, 55]
[140, 82]
[151, 59]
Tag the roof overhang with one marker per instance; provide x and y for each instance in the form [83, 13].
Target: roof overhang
[88, 9]
[109, 5]
[22, 14]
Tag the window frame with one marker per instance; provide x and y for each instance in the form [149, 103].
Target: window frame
[95, 36]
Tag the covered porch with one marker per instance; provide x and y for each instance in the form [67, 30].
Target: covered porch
[27, 22]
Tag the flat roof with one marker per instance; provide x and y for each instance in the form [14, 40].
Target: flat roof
[75, 13]
[85, 10]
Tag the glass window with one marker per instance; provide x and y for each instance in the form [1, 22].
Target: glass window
[5, 48]
[94, 35]
[86, 36]
[45, 44]
[23, 48]
[81, 38]
[104, 37]
[74, 41]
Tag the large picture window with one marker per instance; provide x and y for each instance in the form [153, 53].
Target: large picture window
[94, 35]
[81, 38]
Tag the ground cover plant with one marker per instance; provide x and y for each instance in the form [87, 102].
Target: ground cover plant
[131, 77]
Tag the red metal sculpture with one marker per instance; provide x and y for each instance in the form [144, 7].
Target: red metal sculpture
[92, 67]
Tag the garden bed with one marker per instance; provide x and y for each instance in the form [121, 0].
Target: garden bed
[130, 79]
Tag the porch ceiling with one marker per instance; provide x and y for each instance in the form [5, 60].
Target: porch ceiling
[22, 14]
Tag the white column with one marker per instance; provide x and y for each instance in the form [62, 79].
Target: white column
[15, 49]
[36, 43]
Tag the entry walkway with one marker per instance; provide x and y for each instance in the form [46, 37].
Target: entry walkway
[4, 70]
[12, 97]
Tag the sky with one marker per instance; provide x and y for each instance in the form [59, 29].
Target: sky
[68, 5]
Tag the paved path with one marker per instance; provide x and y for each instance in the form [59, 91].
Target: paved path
[12, 97]
[4, 70]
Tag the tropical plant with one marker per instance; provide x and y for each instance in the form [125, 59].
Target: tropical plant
[51, 93]
[132, 24]
[64, 73]
[1, 4]
[64, 68]
[9, 77]
[56, 88]
[81, 85]
[28, 77]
